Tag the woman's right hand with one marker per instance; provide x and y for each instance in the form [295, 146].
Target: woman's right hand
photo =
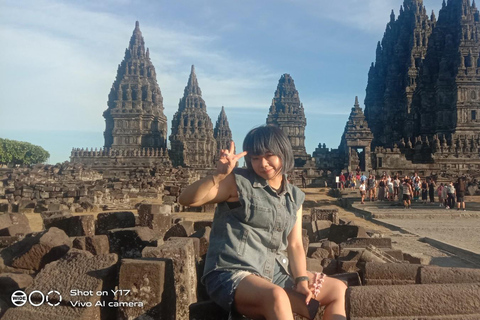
[228, 160]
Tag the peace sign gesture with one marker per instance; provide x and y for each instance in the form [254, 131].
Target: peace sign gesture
[228, 160]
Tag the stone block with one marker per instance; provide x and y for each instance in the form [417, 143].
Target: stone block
[325, 214]
[314, 265]
[431, 275]
[61, 214]
[350, 254]
[57, 206]
[81, 272]
[330, 266]
[26, 206]
[36, 250]
[341, 233]
[426, 301]
[308, 226]
[11, 282]
[47, 312]
[322, 229]
[98, 244]
[347, 266]
[390, 273]
[373, 254]
[417, 258]
[114, 220]
[207, 310]
[16, 229]
[182, 252]
[177, 230]
[204, 236]
[364, 242]
[155, 216]
[349, 278]
[199, 225]
[318, 253]
[150, 281]
[75, 226]
[129, 242]
[13, 219]
[6, 241]
[332, 248]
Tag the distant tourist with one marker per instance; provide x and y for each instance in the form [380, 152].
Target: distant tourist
[431, 189]
[372, 187]
[390, 190]
[460, 189]
[424, 187]
[304, 181]
[396, 187]
[257, 219]
[444, 196]
[342, 180]
[381, 188]
[363, 191]
[407, 193]
[440, 194]
[450, 195]
[416, 188]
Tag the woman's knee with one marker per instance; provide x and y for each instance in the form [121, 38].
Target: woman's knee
[334, 291]
[277, 296]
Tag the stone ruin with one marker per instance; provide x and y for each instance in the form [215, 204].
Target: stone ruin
[78, 189]
[147, 265]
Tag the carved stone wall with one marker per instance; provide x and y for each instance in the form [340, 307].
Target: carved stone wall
[287, 113]
[134, 117]
[192, 141]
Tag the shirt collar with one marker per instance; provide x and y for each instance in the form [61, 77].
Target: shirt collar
[260, 182]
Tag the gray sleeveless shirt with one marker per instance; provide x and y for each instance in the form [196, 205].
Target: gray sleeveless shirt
[254, 235]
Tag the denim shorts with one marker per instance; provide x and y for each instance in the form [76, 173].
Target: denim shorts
[221, 284]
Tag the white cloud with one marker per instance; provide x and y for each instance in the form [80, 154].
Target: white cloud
[62, 60]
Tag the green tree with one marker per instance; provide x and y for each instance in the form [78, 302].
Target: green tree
[22, 153]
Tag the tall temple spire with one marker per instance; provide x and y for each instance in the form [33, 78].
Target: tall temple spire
[192, 141]
[134, 117]
[392, 81]
[222, 132]
[447, 99]
[192, 85]
[286, 112]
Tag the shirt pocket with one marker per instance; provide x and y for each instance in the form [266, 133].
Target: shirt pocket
[260, 217]
[243, 242]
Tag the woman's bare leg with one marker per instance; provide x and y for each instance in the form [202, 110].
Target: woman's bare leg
[332, 296]
[257, 298]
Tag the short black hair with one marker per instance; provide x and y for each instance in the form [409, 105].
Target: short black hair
[269, 138]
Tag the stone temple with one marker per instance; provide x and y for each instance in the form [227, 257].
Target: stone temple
[422, 99]
[421, 110]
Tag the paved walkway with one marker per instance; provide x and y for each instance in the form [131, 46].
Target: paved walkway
[430, 221]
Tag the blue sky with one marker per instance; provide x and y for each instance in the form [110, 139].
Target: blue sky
[59, 60]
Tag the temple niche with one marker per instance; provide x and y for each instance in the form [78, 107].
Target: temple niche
[134, 118]
[192, 140]
[287, 113]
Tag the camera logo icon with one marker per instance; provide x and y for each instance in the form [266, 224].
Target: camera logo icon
[19, 298]
[36, 298]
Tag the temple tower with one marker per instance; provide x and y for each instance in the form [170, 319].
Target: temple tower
[134, 118]
[357, 140]
[192, 142]
[392, 80]
[448, 100]
[222, 132]
[287, 113]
